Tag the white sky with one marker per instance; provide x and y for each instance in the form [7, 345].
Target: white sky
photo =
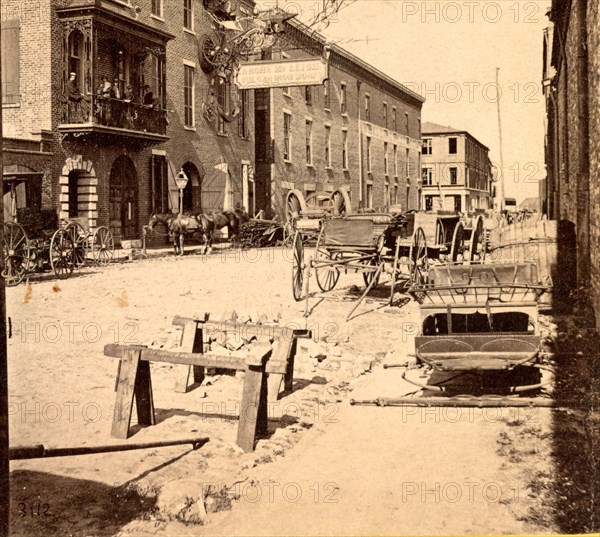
[448, 52]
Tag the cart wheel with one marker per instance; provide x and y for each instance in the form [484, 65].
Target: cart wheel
[297, 266]
[80, 240]
[457, 249]
[103, 246]
[289, 230]
[418, 257]
[294, 205]
[213, 52]
[368, 276]
[15, 253]
[477, 242]
[340, 201]
[327, 276]
[62, 254]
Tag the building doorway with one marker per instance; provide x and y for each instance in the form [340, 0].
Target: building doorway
[123, 199]
[192, 201]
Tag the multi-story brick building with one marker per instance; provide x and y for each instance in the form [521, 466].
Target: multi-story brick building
[117, 134]
[456, 171]
[571, 79]
[359, 131]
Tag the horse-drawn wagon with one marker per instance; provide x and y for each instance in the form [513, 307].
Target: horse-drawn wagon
[373, 244]
[34, 241]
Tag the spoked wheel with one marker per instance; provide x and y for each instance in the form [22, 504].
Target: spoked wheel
[80, 240]
[297, 266]
[328, 276]
[62, 254]
[213, 51]
[289, 230]
[15, 252]
[369, 275]
[340, 201]
[457, 249]
[477, 242]
[103, 246]
[295, 204]
[418, 257]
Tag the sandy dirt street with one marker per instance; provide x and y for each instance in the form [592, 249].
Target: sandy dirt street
[326, 468]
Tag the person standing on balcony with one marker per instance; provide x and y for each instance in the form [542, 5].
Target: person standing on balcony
[73, 99]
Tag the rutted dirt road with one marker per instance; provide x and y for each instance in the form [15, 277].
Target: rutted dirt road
[327, 468]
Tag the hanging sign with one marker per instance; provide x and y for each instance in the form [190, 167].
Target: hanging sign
[282, 73]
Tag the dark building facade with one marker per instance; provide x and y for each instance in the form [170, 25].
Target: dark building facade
[570, 79]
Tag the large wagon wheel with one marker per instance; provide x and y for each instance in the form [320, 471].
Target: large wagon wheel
[15, 253]
[80, 240]
[340, 201]
[103, 246]
[418, 257]
[375, 261]
[297, 266]
[294, 205]
[457, 248]
[62, 254]
[477, 242]
[327, 277]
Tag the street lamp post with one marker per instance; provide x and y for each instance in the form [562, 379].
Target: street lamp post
[181, 181]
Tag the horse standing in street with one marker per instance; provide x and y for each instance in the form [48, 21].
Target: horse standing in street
[232, 220]
[178, 225]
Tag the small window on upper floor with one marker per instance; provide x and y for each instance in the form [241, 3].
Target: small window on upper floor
[452, 146]
[157, 8]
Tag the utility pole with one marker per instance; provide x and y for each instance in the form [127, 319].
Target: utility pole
[4, 469]
[501, 178]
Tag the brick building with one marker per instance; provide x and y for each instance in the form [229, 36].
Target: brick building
[145, 102]
[571, 79]
[360, 131]
[113, 146]
[456, 171]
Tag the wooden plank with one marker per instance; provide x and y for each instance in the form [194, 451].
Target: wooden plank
[253, 410]
[191, 341]
[125, 393]
[188, 358]
[246, 330]
[281, 354]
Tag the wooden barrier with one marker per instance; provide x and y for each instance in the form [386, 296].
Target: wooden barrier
[268, 363]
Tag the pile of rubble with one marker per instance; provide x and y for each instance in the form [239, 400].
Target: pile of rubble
[260, 233]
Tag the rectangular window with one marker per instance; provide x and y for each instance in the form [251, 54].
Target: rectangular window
[406, 125]
[369, 196]
[159, 185]
[157, 8]
[308, 95]
[188, 15]
[345, 150]
[407, 164]
[287, 136]
[327, 146]
[343, 98]
[427, 176]
[188, 96]
[452, 146]
[309, 142]
[223, 101]
[426, 147]
[394, 119]
[385, 158]
[395, 160]
[453, 176]
[386, 195]
[9, 47]
[368, 153]
[243, 115]
[367, 108]
[327, 94]
[385, 118]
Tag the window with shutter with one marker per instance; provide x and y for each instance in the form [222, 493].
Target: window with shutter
[10, 62]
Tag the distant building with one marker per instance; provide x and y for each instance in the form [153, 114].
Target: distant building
[456, 171]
